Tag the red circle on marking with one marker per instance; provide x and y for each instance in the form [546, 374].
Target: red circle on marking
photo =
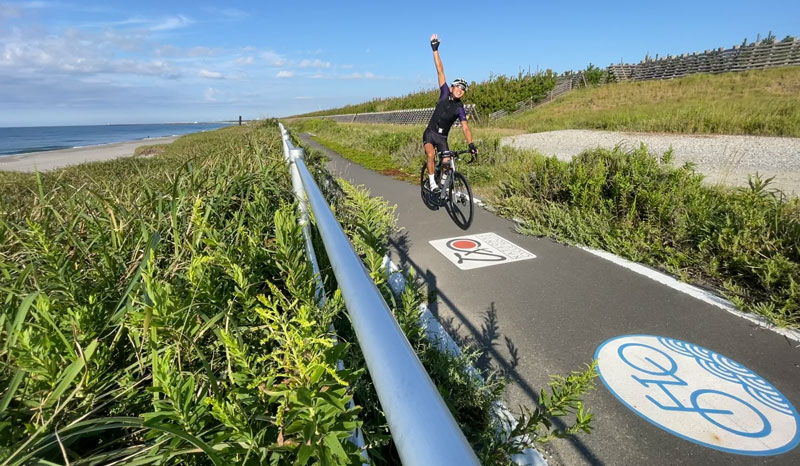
[464, 244]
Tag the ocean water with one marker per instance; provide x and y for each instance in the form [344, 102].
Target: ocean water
[41, 138]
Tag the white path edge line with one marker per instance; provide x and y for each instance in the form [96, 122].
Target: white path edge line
[438, 335]
[693, 291]
[678, 285]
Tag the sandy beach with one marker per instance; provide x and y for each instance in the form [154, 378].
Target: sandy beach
[53, 159]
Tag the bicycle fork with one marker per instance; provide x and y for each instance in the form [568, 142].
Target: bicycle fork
[448, 172]
[447, 182]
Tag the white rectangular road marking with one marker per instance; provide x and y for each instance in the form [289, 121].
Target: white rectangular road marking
[481, 250]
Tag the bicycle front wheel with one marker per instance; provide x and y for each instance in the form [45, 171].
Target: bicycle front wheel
[425, 190]
[462, 207]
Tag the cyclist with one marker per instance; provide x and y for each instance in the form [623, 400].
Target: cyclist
[447, 110]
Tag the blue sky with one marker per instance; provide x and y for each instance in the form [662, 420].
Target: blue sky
[87, 62]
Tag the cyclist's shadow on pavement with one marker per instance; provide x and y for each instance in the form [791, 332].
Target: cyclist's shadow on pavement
[485, 340]
[458, 216]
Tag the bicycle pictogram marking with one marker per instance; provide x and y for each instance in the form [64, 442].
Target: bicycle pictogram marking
[698, 395]
[463, 244]
[481, 250]
[472, 251]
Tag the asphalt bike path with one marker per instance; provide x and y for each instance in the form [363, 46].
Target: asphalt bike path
[678, 399]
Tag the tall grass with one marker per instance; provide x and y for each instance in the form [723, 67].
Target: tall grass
[391, 149]
[160, 310]
[763, 102]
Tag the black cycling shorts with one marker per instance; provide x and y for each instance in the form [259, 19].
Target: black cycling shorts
[439, 141]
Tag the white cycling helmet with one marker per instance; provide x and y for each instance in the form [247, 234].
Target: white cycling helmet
[461, 83]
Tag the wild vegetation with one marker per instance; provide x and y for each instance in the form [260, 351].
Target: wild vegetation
[762, 102]
[160, 310]
[393, 150]
[497, 93]
[743, 242]
[759, 102]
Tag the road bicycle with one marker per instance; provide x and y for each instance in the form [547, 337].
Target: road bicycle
[455, 194]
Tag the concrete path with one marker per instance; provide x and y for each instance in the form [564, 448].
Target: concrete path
[549, 315]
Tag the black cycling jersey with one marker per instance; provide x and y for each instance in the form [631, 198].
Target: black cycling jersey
[446, 112]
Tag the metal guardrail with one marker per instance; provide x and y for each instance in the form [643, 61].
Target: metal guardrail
[423, 429]
[357, 437]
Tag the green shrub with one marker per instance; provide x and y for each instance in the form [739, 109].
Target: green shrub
[497, 93]
[594, 75]
[161, 310]
[744, 241]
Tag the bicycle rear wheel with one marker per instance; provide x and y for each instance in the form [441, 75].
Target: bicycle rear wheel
[461, 204]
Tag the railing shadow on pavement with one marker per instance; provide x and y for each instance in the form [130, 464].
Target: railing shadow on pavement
[484, 338]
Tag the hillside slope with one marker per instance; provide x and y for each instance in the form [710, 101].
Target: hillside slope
[763, 102]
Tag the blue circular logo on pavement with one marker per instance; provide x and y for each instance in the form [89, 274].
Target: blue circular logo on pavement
[698, 395]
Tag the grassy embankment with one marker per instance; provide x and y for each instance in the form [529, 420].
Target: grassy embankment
[743, 242]
[389, 149]
[497, 92]
[159, 310]
[764, 102]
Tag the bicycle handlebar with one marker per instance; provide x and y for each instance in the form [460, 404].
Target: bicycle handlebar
[450, 153]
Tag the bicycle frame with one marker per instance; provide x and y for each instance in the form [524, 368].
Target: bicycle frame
[451, 167]
[453, 192]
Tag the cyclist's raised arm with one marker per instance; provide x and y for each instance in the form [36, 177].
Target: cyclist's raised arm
[437, 60]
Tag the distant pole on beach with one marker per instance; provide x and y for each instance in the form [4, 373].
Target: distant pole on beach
[240, 120]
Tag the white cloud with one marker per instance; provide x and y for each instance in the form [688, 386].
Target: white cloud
[170, 23]
[272, 58]
[167, 51]
[141, 23]
[203, 52]
[126, 60]
[354, 76]
[210, 74]
[73, 52]
[314, 64]
[366, 75]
